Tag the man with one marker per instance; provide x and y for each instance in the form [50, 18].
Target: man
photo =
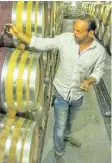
[81, 64]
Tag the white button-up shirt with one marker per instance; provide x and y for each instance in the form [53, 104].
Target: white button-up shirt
[73, 68]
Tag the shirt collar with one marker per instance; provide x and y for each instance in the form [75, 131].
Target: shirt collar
[94, 43]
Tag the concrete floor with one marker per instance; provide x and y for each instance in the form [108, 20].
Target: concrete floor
[89, 128]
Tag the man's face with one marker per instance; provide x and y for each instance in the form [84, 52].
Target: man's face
[81, 33]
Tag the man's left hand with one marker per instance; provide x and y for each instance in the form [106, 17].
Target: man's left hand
[85, 85]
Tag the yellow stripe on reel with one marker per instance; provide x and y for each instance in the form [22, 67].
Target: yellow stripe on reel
[9, 78]
[19, 13]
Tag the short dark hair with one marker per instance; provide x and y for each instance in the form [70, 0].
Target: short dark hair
[90, 19]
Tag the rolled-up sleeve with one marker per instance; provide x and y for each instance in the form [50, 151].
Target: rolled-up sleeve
[45, 43]
[98, 70]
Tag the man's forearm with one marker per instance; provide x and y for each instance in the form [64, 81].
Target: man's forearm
[24, 38]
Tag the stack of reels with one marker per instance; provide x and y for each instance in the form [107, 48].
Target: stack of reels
[72, 9]
[26, 77]
[103, 14]
[18, 140]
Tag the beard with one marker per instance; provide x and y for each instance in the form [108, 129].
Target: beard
[78, 41]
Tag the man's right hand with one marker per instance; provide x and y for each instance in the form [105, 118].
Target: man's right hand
[11, 29]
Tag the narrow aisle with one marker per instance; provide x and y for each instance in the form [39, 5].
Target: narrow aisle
[89, 128]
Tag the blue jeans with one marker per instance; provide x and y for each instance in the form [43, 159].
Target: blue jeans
[64, 114]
